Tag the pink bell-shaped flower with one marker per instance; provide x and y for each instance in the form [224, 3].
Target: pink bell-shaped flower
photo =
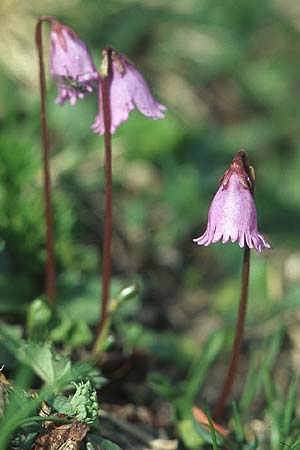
[232, 213]
[72, 67]
[127, 90]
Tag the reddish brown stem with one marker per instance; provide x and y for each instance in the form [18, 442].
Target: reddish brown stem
[238, 338]
[106, 267]
[50, 267]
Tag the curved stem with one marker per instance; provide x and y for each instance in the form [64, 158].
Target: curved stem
[50, 267]
[106, 268]
[238, 337]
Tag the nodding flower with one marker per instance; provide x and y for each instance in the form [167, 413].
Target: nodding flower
[127, 90]
[232, 213]
[72, 67]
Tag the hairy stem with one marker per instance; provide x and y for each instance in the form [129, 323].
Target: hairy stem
[106, 268]
[238, 337]
[50, 266]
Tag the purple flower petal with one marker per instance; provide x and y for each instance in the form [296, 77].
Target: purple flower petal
[232, 213]
[71, 64]
[127, 90]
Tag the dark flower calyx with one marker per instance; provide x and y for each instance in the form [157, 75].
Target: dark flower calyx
[240, 166]
[118, 60]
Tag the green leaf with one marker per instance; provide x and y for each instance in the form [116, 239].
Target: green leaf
[191, 438]
[49, 366]
[62, 405]
[84, 402]
[97, 443]
[80, 335]
[39, 358]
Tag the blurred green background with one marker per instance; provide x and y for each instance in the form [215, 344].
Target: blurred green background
[228, 72]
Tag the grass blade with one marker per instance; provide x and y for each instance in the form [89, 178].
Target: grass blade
[211, 426]
[290, 405]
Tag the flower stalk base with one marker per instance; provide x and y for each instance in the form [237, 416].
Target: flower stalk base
[231, 373]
